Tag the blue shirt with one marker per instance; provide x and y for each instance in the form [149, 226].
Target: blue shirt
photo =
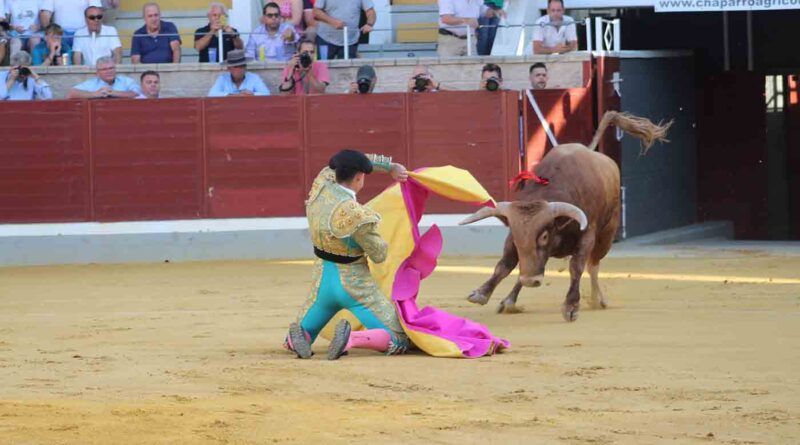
[121, 83]
[155, 49]
[31, 91]
[42, 52]
[225, 86]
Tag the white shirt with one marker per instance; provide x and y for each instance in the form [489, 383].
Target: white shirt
[24, 13]
[350, 192]
[552, 35]
[69, 13]
[465, 9]
[95, 47]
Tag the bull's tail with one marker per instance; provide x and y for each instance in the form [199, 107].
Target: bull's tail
[643, 129]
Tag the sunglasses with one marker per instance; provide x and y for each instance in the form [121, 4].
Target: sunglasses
[95, 17]
[272, 16]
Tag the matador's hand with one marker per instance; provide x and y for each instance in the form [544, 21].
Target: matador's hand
[399, 172]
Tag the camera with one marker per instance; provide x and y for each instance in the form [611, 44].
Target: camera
[364, 85]
[420, 83]
[305, 59]
[5, 26]
[24, 71]
[492, 84]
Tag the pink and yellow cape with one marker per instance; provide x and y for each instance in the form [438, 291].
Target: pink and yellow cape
[412, 257]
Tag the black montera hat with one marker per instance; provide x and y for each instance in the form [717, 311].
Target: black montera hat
[351, 159]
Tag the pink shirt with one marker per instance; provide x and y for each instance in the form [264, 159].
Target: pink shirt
[301, 85]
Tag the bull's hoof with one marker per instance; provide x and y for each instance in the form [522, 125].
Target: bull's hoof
[570, 311]
[598, 304]
[508, 308]
[478, 297]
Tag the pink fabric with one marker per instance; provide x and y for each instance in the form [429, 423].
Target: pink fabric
[472, 338]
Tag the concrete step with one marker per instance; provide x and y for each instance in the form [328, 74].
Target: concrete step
[397, 50]
[135, 6]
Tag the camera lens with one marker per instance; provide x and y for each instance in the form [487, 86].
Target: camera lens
[24, 71]
[492, 84]
[305, 60]
[363, 86]
[420, 83]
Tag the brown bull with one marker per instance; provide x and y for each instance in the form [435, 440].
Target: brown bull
[576, 213]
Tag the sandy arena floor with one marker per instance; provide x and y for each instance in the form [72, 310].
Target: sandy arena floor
[190, 353]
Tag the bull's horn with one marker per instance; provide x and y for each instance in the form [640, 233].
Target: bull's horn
[565, 209]
[486, 212]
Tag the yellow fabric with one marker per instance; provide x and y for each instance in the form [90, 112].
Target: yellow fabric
[395, 228]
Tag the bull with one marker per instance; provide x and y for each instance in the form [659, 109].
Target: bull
[572, 208]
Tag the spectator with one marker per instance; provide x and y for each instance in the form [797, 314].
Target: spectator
[272, 40]
[66, 13]
[538, 76]
[205, 38]
[491, 77]
[110, 10]
[52, 49]
[95, 40]
[292, 13]
[555, 32]
[303, 74]
[454, 17]
[422, 81]
[4, 26]
[310, 31]
[106, 84]
[488, 26]
[366, 78]
[21, 82]
[150, 85]
[332, 16]
[157, 41]
[237, 81]
[23, 18]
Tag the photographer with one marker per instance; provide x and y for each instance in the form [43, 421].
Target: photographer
[304, 75]
[366, 78]
[21, 82]
[491, 77]
[422, 81]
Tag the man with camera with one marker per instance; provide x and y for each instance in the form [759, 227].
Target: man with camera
[21, 82]
[366, 78]
[304, 75]
[422, 81]
[491, 77]
[107, 84]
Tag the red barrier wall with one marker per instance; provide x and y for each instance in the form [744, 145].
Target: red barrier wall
[569, 113]
[235, 157]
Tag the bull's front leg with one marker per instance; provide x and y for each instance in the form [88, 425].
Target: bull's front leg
[509, 304]
[576, 264]
[504, 267]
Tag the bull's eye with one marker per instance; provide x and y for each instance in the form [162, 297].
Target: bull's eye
[544, 238]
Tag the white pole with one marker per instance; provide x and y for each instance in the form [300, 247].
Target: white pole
[346, 45]
[469, 40]
[219, 46]
[617, 35]
[588, 23]
[521, 42]
[598, 33]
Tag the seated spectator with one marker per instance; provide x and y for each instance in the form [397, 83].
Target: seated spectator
[310, 23]
[52, 49]
[303, 74]
[332, 16]
[95, 40]
[366, 78]
[66, 13]
[538, 76]
[491, 77]
[272, 40]
[4, 28]
[237, 81]
[206, 40]
[24, 28]
[454, 17]
[107, 83]
[110, 8]
[422, 81]
[488, 23]
[150, 85]
[555, 32]
[21, 82]
[157, 41]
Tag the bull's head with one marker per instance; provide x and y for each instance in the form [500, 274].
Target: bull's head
[533, 227]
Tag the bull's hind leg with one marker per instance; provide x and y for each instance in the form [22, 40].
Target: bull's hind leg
[504, 267]
[509, 304]
[597, 300]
